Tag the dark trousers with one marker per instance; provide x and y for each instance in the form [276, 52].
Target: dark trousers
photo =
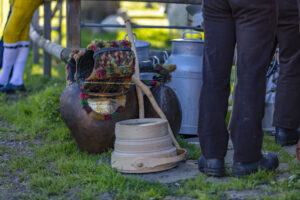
[287, 100]
[251, 25]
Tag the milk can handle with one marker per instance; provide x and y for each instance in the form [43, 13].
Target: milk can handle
[155, 60]
[135, 38]
[166, 56]
[191, 32]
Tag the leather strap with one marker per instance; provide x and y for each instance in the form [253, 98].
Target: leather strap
[157, 162]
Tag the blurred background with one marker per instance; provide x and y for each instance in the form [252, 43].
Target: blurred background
[114, 12]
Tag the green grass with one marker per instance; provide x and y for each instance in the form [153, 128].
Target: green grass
[48, 164]
[194, 151]
[55, 168]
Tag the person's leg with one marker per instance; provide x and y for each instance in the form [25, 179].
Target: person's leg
[255, 30]
[16, 38]
[18, 71]
[17, 28]
[287, 103]
[218, 56]
[9, 57]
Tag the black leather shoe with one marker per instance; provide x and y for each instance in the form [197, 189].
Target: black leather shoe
[10, 88]
[285, 137]
[267, 162]
[211, 166]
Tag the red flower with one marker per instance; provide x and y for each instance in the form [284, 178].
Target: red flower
[94, 47]
[153, 83]
[126, 43]
[82, 95]
[114, 44]
[106, 117]
[99, 74]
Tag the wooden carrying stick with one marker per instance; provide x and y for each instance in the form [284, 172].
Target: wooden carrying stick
[142, 87]
[137, 69]
[156, 107]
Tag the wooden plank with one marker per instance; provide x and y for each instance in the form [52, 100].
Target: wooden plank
[167, 1]
[47, 35]
[73, 24]
[56, 8]
[60, 21]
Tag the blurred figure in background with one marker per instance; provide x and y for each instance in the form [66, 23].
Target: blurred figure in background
[287, 101]
[16, 44]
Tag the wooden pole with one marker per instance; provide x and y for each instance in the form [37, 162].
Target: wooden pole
[73, 24]
[47, 36]
[53, 49]
[137, 69]
[60, 21]
[156, 107]
[35, 22]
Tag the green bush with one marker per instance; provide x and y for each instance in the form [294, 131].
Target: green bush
[50, 104]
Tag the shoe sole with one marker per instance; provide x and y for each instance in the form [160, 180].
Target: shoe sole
[212, 172]
[239, 174]
[9, 92]
[286, 143]
[14, 91]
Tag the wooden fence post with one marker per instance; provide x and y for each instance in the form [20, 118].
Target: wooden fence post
[60, 21]
[73, 24]
[35, 22]
[47, 35]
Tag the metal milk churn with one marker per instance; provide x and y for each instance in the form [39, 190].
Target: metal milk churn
[142, 48]
[187, 55]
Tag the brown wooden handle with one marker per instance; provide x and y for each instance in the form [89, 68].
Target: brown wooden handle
[137, 68]
[157, 162]
[156, 107]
